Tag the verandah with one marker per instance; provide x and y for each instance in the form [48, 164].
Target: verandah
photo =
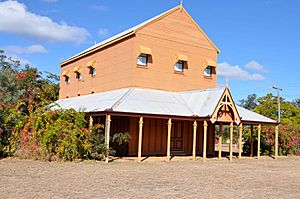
[197, 124]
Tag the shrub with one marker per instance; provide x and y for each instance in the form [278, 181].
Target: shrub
[288, 140]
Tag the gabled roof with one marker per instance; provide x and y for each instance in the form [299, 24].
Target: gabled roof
[203, 102]
[130, 32]
[130, 100]
[197, 103]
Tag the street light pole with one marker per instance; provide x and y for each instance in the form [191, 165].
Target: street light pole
[278, 89]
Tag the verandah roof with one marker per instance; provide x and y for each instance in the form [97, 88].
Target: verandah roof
[196, 103]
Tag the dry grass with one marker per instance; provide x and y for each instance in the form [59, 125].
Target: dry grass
[246, 178]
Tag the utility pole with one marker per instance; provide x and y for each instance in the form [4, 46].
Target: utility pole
[278, 100]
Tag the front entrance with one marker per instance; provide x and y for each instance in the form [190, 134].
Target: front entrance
[177, 137]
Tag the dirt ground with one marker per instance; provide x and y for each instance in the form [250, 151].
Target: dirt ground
[153, 178]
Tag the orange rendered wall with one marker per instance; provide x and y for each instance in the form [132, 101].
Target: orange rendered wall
[174, 34]
[116, 64]
[113, 71]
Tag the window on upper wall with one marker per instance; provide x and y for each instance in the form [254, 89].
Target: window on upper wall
[178, 67]
[181, 63]
[91, 65]
[67, 79]
[142, 60]
[78, 76]
[208, 71]
[92, 71]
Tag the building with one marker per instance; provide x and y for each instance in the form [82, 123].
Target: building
[156, 81]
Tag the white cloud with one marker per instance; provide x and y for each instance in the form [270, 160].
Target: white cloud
[16, 19]
[103, 31]
[36, 48]
[23, 61]
[253, 65]
[235, 72]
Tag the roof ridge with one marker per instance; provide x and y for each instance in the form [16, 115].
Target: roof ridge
[185, 103]
[202, 90]
[122, 98]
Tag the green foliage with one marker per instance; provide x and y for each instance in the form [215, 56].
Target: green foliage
[121, 137]
[9, 91]
[288, 139]
[289, 136]
[57, 134]
[97, 148]
[29, 129]
[250, 103]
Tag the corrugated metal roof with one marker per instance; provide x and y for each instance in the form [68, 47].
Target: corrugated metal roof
[203, 102]
[154, 102]
[200, 103]
[91, 103]
[250, 116]
[129, 100]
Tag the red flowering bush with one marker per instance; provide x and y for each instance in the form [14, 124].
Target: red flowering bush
[288, 140]
[21, 75]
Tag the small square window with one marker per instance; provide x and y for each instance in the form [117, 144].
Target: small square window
[142, 60]
[208, 71]
[67, 79]
[78, 76]
[178, 67]
[92, 71]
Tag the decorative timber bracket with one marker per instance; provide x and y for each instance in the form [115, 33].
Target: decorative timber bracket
[226, 110]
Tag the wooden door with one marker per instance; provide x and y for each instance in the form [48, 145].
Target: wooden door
[177, 136]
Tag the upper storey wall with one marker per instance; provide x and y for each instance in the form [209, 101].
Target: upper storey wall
[116, 64]
[113, 70]
[171, 35]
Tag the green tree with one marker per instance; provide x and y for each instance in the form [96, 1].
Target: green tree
[296, 103]
[289, 129]
[9, 92]
[250, 103]
[267, 106]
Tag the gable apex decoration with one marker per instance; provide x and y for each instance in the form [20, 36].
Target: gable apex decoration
[226, 110]
[132, 31]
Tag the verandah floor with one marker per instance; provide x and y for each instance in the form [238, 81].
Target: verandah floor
[246, 178]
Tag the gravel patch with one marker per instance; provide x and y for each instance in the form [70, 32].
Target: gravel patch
[246, 178]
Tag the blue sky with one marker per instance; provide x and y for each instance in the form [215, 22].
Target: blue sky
[259, 39]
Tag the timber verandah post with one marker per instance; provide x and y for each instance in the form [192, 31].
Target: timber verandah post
[258, 141]
[169, 140]
[107, 133]
[231, 141]
[251, 142]
[194, 139]
[91, 122]
[204, 140]
[140, 139]
[240, 140]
